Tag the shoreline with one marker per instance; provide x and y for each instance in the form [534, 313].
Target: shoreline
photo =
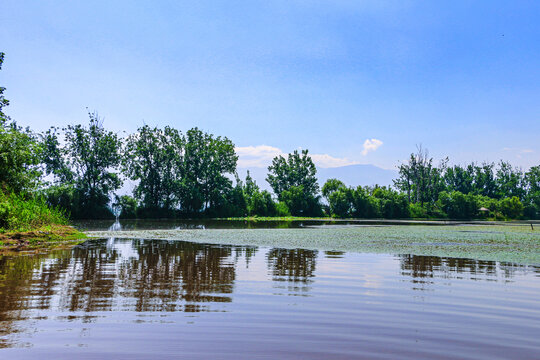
[412, 221]
[46, 237]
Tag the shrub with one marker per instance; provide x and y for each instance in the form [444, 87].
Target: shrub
[282, 209]
[417, 211]
[511, 207]
[21, 213]
[458, 205]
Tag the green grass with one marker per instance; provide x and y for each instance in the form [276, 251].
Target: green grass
[27, 222]
[24, 213]
[49, 236]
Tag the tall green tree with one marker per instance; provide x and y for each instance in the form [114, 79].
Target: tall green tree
[532, 186]
[420, 179]
[19, 152]
[154, 158]
[19, 159]
[88, 159]
[364, 205]
[297, 169]
[509, 181]
[258, 202]
[208, 161]
[338, 196]
[3, 101]
[293, 180]
[458, 178]
[485, 183]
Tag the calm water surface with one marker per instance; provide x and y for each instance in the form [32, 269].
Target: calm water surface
[142, 299]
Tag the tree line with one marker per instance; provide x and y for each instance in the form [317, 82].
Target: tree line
[193, 174]
[78, 169]
[425, 190]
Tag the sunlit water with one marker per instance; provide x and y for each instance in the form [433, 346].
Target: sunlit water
[147, 299]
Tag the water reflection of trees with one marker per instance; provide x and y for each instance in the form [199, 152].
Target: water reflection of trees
[293, 265]
[136, 276]
[334, 254]
[166, 275]
[418, 266]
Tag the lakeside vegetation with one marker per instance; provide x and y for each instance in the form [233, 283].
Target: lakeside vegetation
[191, 176]
[75, 172]
[27, 219]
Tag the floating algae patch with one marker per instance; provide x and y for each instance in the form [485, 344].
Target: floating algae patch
[518, 244]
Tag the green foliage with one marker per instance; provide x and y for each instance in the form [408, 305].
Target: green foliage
[182, 173]
[509, 181]
[418, 211]
[207, 161]
[484, 180]
[258, 202]
[301, 203]
[294, 182]
[458, 205]
[340, 203]
[459, 178]
[126, 207]
[332, 185]
[532, 180]
[295, 171]
[511, 208]
[232, 203]
[263, 205]
[86, 163]
[459, 192]
[392, 204]
[339, 198]
[19, 158]
[420, 179]
[19, 152]
[154, 158]
[63, 196]
[3, 101]
[531, 183]
[282, 210]
[23, 213]
[363, 204]
[476, 179]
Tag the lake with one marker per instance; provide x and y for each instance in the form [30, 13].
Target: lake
[141, 298]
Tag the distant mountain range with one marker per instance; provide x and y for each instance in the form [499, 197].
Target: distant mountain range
[351, 175]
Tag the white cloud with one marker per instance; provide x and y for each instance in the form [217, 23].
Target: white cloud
[256, 156]
[262, 155]
[327, 161]
[519, 151]
[371, 145]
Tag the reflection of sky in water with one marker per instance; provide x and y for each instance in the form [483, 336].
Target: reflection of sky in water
[124, 249]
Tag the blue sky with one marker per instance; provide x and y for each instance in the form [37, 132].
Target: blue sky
[462, 78]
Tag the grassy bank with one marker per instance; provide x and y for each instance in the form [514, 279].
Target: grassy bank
[27, 222]
[45, 237]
